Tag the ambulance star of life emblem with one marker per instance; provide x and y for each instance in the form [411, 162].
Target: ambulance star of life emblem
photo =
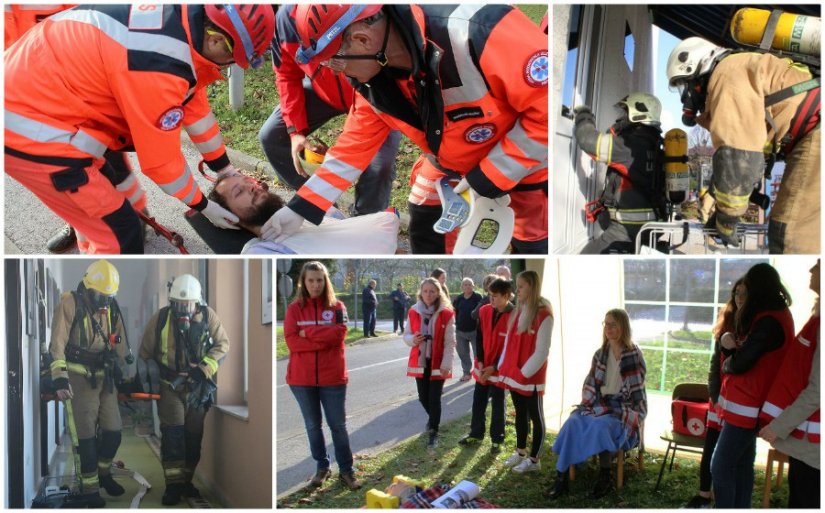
[170, 119]
[537, 69]
[477, 134]
[327, 315]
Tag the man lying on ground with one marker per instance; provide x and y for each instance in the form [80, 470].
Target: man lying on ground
[254, 204]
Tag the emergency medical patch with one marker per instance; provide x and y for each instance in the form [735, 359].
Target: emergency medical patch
[327, 315]
[696, 426]
[170, 119]
[537, 69]
[478, 134]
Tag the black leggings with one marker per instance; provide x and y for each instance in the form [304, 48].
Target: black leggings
[529, 408]
[803, 483]
[705, 480]
[429, 394]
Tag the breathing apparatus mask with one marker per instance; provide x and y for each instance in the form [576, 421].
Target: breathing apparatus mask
[183, 311]
[692, 93]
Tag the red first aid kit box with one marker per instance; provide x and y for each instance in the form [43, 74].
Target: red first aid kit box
[689, 417]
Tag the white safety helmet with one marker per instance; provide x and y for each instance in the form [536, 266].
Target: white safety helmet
[642, 108]
[691, 58]
[185, 293]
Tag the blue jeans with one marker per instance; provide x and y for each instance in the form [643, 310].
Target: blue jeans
[732, 467]
[332, 399]
[369, 322]
[373, 187]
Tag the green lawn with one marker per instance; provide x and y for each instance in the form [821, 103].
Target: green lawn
[450, 464]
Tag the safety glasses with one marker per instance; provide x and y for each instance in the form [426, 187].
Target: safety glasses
[225, 39]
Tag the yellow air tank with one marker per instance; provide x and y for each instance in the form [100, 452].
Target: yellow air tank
[794, 32]
[677, 177]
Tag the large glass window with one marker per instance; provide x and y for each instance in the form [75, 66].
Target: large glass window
[673, 305]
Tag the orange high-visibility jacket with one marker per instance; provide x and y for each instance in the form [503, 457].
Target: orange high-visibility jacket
[476, 100]
[19, 18]
[110, 77]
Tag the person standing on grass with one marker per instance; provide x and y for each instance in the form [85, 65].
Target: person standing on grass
[431, 335]
[465, 326]
[523, 368]
[724, 324]
[792, 410]
[315, 328]
[490, 335]
[751, 357]
[369, 305]
[399, 308]
[614, 403]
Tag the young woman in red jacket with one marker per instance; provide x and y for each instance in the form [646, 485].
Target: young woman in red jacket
[523, 368]
[315, 328]
[431, 334]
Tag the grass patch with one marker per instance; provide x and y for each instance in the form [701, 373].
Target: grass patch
[450, 464]
[282, 351]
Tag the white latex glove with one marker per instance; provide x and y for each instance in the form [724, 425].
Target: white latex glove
[229, 170]
[462, 186]
[219, 216]
[298, 142]
[281, 225]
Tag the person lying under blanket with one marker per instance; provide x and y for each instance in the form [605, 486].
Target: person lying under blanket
[253, 203]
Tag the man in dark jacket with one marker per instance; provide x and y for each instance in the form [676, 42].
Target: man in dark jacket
[399, 308]
[369, 303]
[465, 326]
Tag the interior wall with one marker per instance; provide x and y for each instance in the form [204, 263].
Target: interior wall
[238, 463]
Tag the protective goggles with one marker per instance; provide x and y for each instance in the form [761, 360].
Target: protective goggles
[254, 59]
[305, 55]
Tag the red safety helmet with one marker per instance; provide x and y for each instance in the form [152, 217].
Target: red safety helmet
[320, 27]
[251, 27]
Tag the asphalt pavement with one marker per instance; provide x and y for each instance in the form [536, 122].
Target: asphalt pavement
[382, 409]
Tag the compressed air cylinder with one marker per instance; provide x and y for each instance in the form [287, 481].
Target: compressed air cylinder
[794, 32]
[677, 176]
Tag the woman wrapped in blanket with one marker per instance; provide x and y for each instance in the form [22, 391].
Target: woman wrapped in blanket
[614, 403]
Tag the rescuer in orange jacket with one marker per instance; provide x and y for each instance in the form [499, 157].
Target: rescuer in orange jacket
[310, 96]
[139, 67]
[478, 115]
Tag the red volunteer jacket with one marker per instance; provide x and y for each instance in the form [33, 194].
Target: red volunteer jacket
[493, 337]
[517, 350]
[414, 367]
[317, 359]
[742, 395]
[792, 379]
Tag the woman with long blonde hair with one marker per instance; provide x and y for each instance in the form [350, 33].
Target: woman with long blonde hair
[315, 328]
[431, 335]
[523, 368]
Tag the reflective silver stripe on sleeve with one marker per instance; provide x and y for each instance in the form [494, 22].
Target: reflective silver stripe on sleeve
[41, 132]
[202, 125]
[472, 86]
[342, 169]
[632, 216]
[178, 183]
[211, 144]
[321, 187]
[604, 147]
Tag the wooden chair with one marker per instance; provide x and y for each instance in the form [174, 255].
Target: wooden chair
[620, 459]
[781, 458]
[676, 441]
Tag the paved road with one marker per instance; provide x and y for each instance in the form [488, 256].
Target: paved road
[382, 409]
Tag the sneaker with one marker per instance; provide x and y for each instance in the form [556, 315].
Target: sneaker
[349, 480]
[320, 476]
[432, 440]
[604, 484]
[172, 494]
[698, 502]
[513, 460]
[62, 241]
[109, 484]
[495, 448]
[527, 465]
[468, 440]
[561, 486]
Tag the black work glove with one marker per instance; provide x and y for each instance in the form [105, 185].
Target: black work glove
[196, 374]
[60, 384]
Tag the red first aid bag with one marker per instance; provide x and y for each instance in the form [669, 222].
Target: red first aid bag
[689, 417]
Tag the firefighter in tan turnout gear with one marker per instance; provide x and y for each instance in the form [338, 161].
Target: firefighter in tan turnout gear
[87, 364]
[188, 342]
[755, 105]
